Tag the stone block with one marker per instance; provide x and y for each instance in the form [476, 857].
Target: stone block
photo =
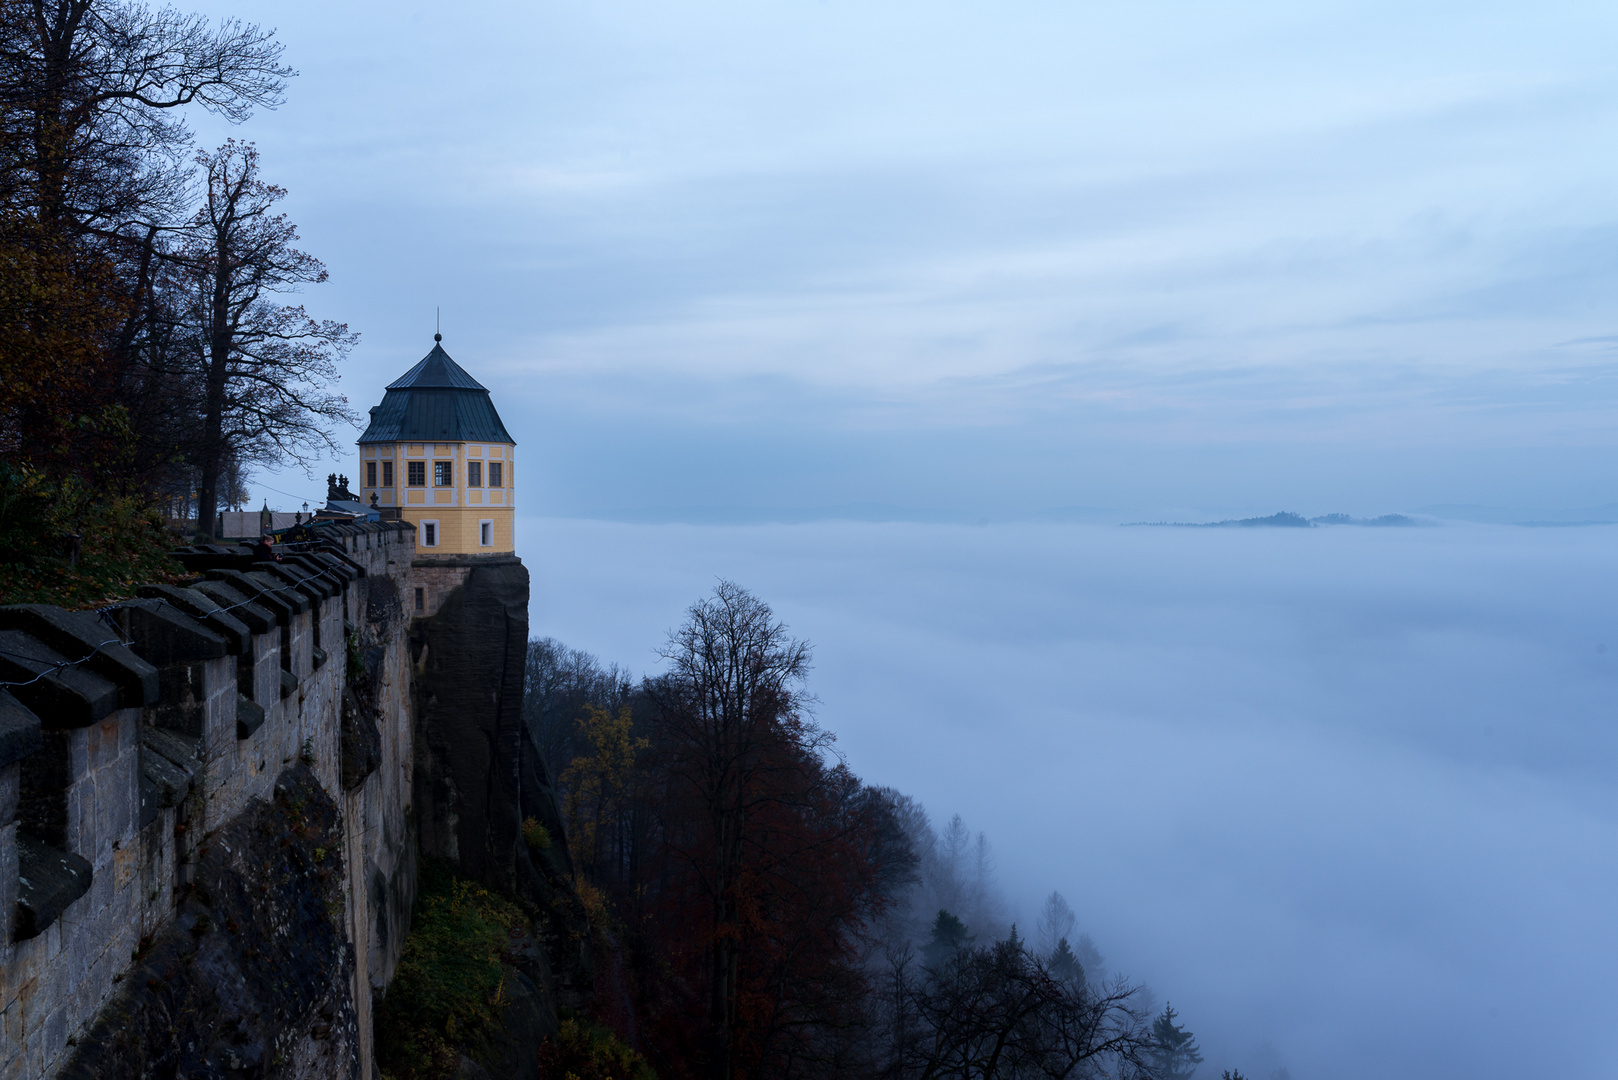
[169, 781]
[249, 716]
[78, 944]
[11, 1032]
[48, 881]
[9, 870]
[238, 605]
[163, 635]
[230, 629]
[129, 729]
[265, 591]
[19, 732]
[49, 685]
[10, 791]
[36, 997]
[81, 634]
[266, 670]
[101, 744]
[222, 690]
[87, 911]
[118, 808]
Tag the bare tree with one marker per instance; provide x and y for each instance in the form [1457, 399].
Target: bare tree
[731, 696]
[94, 183]
[91, 143]
[266, 366]
[1056, 922]
[558, 683]
[999, 1011]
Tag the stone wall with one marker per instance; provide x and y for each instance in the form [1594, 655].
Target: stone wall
[190, 781]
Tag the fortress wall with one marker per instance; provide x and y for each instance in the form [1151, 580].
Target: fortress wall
[138, 788]
[435, 579]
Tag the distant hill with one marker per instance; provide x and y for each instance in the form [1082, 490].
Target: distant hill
[1284, 520]
[1383, 521]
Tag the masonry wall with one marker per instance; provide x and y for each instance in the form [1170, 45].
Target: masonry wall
[252, 727]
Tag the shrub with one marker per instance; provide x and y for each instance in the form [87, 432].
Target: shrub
[583, 1051]
[448, 987]
[536, 835]
[61, 542]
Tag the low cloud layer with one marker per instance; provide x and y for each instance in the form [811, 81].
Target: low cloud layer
[1346, 791]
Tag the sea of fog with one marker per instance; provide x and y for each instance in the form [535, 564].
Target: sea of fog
[1347, 797]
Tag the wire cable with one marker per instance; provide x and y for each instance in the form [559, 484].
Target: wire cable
[105, 614]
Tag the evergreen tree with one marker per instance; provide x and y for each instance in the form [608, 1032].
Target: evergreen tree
[949, 935]
[1064, 964]
[1175, 1054]
[1090, 958]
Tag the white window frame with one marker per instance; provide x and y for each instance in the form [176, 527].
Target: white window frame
[421, 533]
[486, 524]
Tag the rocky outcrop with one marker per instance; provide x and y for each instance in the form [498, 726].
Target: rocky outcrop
[252, 977]
[479, 775]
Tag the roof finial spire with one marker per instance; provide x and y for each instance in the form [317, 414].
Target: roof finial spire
[438, 327]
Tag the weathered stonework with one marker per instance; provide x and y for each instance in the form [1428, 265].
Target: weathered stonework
[253, 974]
[166, 780]
[210, 800]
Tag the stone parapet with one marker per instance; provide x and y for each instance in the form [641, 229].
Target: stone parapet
[135, 737]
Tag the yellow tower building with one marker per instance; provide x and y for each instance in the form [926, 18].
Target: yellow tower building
[437, 451]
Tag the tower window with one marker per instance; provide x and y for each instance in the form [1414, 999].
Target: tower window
[420, 599]
[429, 534]
[418, 473]
[387, 474]
[486, 534]
[474, 474]
[370, 474]
[495, 470]
[443, 473]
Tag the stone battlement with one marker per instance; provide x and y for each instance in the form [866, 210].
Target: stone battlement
[136, 740]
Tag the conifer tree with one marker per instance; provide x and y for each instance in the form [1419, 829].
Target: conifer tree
[1175, 1054]
[1064, 964]
[949, 935]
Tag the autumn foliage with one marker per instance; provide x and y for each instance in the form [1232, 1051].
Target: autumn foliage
[143, 361]
[760, 912]
[741, 864]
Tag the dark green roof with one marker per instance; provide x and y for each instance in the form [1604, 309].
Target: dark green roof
[436, 401]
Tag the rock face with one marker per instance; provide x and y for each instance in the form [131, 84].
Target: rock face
[253, 976]
[479, 775]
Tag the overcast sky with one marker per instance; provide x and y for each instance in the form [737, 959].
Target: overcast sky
[980, 258]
